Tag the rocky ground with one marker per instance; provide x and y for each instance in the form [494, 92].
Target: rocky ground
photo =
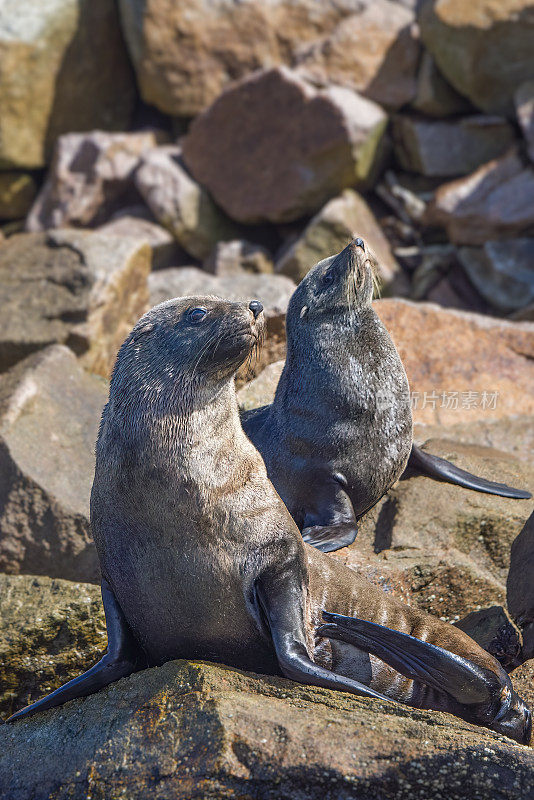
[174, 147]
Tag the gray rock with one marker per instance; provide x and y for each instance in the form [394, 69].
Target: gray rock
[64, 67]
[524, 104]
[261, 390]
[444, 148]
[494, 202]
[180, 204]
[49, 414]
[329, 232]
[493, 629]
[434, 96]
[90, 178]
[258, 168]
[50, 631]
[82, 289]
[192, 730]
[502, 271]
[274, 291]
[237, 256]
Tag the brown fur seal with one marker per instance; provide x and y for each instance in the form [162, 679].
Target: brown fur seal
[339, 431]
[201, 559]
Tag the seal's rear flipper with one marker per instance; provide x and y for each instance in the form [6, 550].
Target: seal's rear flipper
[123, 657]
[443, 470]
[332, 524]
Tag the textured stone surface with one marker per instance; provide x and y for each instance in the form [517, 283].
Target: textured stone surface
[237, 256]
[17, 192]
[180, 204]
[49, 415]
[520, 585]
[185, 52]
[50, 631]
[494, 630]
[64, 67]
[449, 147]
[502, 271]
[82, 289]
[434, 96]
[261, 390]
[483, 47]
[524, 104]
[195, 730]
[329, 232]
[496, 201]
[90, 178]
[273, 147]
[462, 355]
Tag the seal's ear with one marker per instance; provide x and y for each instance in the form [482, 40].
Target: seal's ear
[141, 330]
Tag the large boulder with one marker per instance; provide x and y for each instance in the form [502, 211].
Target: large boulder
[137, 222]
[502, 271]
[483, 47]
[186, 53]
[466, 366]
[192, 730]
[446, 148]
[50, 410]
[434, 96]
[64, 67]
[496, 201]
[329, 231]
[50, 631]
[238, 256]
[260, 168]
[180, 204]
[82, 289]
[90, 178]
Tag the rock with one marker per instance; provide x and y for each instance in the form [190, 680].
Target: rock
[82, 289]
[17, 191]
[138, 223]
[64, 67]
[466, 367]
[493, 630]
[523, 681]
[496, 201]
[374, 51]
[50, 631]
[261, 390]
[199, 730]
[90, 178]
[449, 147]
[49, 415]
[502, 271]
[186, 53]
[483, 48]
[330, 230]
[524, 104]
[180, 204]
[434, 96]
[520, 587]
[259, 168]
[237, 256]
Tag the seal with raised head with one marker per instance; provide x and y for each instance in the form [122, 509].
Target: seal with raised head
[201, 559]
[339, 431]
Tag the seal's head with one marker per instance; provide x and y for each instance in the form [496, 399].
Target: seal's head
[337, 286]
[185, 342]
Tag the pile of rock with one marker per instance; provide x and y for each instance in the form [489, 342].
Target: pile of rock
[224, 148]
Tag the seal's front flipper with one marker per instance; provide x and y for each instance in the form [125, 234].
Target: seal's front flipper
[279, 605]
[332, 524]
[442, 470]
[123, 657]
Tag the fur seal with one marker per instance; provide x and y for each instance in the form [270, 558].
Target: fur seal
[201, 559]
[339, 431]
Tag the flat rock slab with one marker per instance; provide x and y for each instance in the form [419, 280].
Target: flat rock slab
[194, 730]
[64, 67]
[85, 290]
[461, 366]
[483, 48]
[50, 631]
[185, 52]
[50, 410]
[273, 148]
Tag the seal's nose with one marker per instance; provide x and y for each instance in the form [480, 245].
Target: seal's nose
[256, 307]
[359, 243]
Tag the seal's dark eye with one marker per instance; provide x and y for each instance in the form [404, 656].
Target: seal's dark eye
[196, 314]
[327, 279]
